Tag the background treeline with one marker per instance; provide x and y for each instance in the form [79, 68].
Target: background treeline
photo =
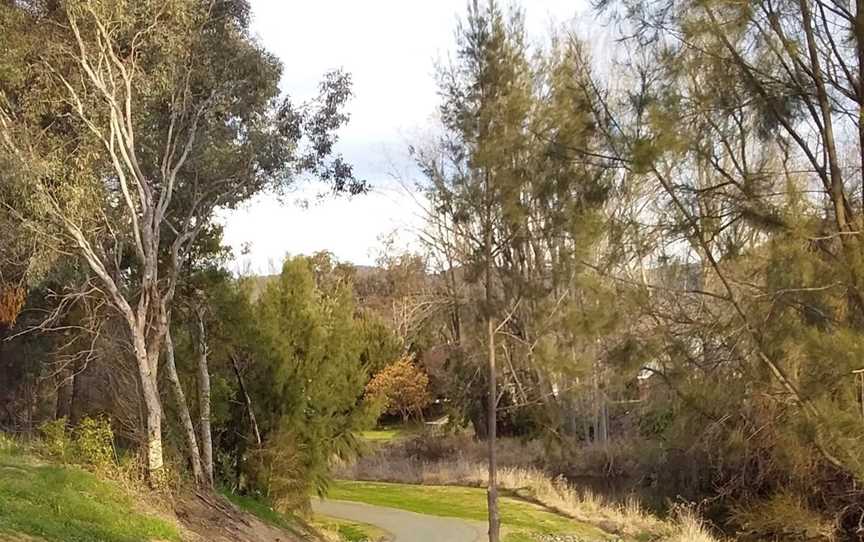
[650, 267]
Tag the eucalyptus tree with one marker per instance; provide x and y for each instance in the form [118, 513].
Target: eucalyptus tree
[132, 122]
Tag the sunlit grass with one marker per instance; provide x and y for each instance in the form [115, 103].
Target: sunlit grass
[61, 503]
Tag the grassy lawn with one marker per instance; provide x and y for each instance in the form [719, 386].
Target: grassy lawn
[54, 503]
[381, 435]
[350, 531]
[518, 518]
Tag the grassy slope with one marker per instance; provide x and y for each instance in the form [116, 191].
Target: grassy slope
[56, 503]
[463, 502]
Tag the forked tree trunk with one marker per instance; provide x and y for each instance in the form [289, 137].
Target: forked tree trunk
[183, 411]
[204, 403]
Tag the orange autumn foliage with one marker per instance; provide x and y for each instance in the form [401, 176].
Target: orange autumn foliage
[402, 386]
[11, 302]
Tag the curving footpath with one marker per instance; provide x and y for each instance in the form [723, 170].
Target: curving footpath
[403, 525]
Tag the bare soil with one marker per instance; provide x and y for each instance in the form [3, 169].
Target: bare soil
[211, 518]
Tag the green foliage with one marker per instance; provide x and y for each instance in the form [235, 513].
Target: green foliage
[94, 443]
[783, 516]
[350, 531]
[307, 380]
[260, 509]
[55, 439]
[381, 346]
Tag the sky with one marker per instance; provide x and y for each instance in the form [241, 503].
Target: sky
[390, 48]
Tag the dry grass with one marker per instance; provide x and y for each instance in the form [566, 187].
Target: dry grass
[689, 527]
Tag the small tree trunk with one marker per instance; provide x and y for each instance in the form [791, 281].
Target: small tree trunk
[65, 391]
[492, 493]
[183, 410]
[204, 402]
[247, 400]
[492, 399]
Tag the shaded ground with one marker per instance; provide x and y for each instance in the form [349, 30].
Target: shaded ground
[405, 526]
[213, 519]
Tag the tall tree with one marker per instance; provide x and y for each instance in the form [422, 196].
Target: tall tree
[485, 104]
[133, 123]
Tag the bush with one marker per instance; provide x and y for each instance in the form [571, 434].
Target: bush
[785, 517]
[9, 444]
[55, 442]
[402, 387]
[279, 475]
[94, 443]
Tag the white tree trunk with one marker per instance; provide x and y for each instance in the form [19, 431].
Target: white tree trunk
[204, 403]
[183, 410]
[153, 421]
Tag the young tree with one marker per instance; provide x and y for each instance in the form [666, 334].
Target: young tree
[309, 379]
[512, 211]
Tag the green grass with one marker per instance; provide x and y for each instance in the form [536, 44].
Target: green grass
[59, 503]
[350, 531]
[383, 435]
[518, 518]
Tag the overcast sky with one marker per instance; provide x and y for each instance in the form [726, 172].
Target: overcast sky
[390, 48]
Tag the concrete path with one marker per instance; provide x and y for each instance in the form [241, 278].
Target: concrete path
[405, 526]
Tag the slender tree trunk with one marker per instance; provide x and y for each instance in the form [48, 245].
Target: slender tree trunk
[492, 400]
[859, 41]
[247, 400]
[152, 410]
[75, 399]
[65, 392]
[204, 402]
[183, 410]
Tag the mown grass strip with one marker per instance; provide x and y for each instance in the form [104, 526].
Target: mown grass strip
[465, 503]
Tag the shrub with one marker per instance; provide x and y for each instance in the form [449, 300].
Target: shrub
[94, 443]
[403, 387]
[785, 517]
[278, 473]
[9, 444]
[55, 442]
